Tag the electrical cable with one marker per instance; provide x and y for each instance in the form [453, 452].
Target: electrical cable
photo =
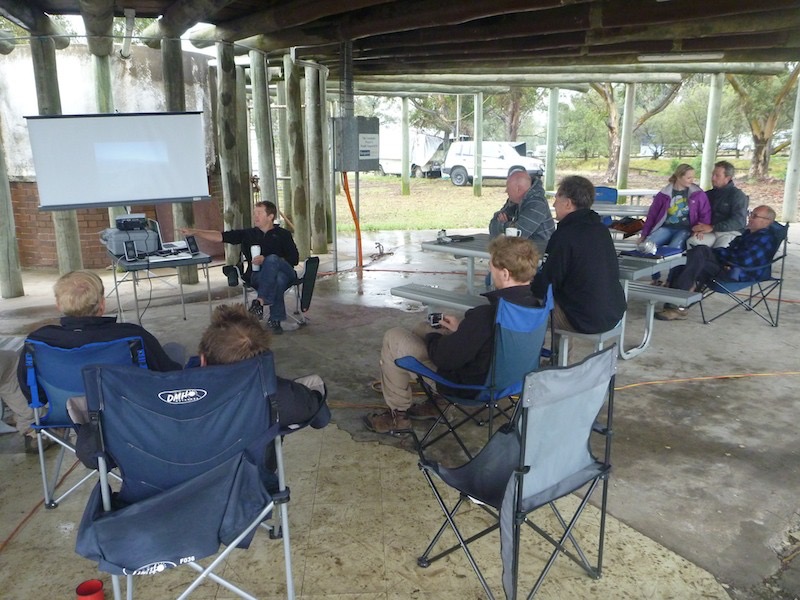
[346, 187]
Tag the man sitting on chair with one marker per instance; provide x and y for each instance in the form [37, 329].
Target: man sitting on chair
[756, 246]
[235, 335]
[463, 351]
[270, 272]
[80, 296]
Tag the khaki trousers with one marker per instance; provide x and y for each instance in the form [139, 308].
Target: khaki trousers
[10, 392]
[396, 382]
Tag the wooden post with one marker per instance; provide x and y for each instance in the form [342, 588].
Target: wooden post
[228, 155]
[792, 183]
[283, 139]
[316, 171]
[712, 130]
[625, 138]
[552, 140]
[262, 119]
[405, 161]
[10, 271]
[328, 177]
[243, 134]
[297, 157]
[175, 97]
[65, 222]
[477, 180]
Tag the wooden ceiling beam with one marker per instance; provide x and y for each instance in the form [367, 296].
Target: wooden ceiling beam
[34, 21]
[179, 17]
[98, 18]
[523, 80]
[620, 13]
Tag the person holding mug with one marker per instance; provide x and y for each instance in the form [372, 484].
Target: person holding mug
[526, 213]
[271, 255]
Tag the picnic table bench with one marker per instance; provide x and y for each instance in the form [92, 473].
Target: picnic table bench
[435, 296]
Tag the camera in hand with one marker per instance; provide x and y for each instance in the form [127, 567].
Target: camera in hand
[435, 319]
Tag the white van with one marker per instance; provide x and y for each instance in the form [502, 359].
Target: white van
[499, 159]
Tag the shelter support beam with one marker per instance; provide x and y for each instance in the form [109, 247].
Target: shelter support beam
[316, 170]
[625, 137]
[552, 140]
[477, 183]
[297, 157]
[790, 189]
[712, 130]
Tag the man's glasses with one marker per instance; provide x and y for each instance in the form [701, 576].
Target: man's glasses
[755, 216]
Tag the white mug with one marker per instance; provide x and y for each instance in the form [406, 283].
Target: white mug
[513, 232]
[255, 250]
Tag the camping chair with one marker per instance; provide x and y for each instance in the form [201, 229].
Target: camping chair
[53, 377]
[541, 456]
[759, 291]
[519, 335]
[607, 195]
[191, 448]
[303, 285]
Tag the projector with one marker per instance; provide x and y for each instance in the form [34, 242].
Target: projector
[131, 222]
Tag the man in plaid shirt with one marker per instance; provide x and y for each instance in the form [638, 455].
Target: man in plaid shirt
[756, 246]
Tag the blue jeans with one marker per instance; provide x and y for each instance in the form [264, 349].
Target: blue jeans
[271, 282]
[668, 236]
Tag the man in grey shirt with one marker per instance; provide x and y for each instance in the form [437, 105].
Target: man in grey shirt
[728, 210]
[526, 209]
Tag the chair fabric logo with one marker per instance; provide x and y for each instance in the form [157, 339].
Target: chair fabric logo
[152, 569]
[186, 396]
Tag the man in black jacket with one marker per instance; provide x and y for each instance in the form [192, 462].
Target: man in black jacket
[581, 264]
[728, 210]
[80, 296]
[462, 352]
[271, 270]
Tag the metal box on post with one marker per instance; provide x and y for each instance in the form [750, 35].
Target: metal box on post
[356, 144]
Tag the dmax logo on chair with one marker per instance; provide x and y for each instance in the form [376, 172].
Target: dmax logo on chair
[182, 396]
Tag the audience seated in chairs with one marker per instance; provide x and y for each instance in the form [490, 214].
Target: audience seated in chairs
[80, 296]
[756, 246]
[235, 335]
[461, 350]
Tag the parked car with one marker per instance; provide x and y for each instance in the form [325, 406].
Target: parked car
[499, 159]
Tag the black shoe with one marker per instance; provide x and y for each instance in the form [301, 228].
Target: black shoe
[257, 309]
[275, 327]
[231, 274]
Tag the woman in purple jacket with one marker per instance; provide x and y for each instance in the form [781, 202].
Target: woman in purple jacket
[677, 208]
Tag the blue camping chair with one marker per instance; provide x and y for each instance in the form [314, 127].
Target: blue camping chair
[191, 447]
[759, 283]
[518, 339]
[544, 454]
[608, 195]
[53, 377]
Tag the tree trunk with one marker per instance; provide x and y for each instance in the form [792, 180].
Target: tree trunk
[759, 166]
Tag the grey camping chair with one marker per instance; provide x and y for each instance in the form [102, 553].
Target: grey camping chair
[540, 457]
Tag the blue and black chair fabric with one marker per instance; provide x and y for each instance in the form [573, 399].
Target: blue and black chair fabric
[543, 455]
[753, 288]
[607, 195]
[53, 377]
[518, 339]
[191, 449]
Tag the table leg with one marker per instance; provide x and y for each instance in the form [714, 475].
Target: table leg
[180, 285]
[135, 279]
[648, 329]
[471, 274]
[208, 289]
[120, 314]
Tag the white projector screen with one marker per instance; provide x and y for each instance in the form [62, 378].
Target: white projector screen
[118, 159]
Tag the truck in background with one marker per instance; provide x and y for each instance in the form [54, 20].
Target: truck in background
[425, 152]
[499, 159]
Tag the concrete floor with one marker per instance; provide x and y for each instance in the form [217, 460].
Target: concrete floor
[704, 492]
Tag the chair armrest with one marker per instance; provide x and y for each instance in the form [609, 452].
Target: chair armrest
[409, 363]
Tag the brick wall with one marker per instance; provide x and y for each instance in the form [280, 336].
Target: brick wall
[36, 236]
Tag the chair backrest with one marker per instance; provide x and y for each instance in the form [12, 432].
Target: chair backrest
[606, 194]
[163, 429]
[518, 339]
[308, 282]
[560, 407]
[57, 371]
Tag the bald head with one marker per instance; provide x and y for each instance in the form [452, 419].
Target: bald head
[517, 184]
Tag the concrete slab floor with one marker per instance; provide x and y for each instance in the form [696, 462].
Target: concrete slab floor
[705, 451]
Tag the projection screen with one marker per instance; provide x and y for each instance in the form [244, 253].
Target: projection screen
[118, 159]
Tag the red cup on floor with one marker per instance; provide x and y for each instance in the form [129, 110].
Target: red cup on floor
[90, 590]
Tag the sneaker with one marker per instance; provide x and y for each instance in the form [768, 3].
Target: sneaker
[31, 447]
[274, 327]
[388, 421]
[257, 309]
[672, 314]
[425, 411]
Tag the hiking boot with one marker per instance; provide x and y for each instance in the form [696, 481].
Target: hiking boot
[672, 314]
[392, 422]
[275, 327]
[425, 411]
[256, 309]
[31, 447]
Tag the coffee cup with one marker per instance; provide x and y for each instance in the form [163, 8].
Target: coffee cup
[255, 250]
[90, 590]
[513, 232]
